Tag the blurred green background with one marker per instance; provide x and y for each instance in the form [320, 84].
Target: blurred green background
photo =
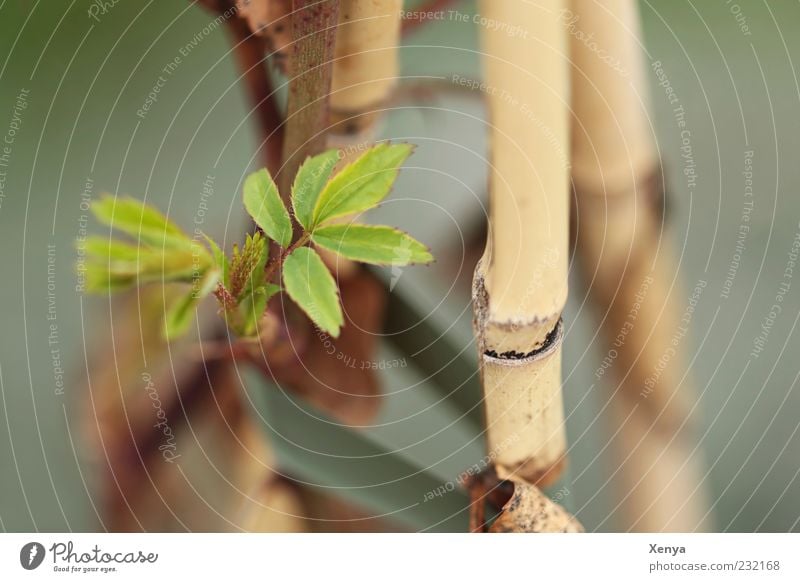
[84, 80]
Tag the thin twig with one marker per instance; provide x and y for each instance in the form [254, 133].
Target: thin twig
[276, 263]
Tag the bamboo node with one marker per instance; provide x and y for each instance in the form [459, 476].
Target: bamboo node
[548, 347]
[509, 339]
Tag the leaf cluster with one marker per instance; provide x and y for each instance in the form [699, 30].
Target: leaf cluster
[245, 281]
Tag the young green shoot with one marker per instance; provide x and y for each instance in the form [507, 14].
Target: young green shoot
[244, 282]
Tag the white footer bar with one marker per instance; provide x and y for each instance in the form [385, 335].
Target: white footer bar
[406, 557]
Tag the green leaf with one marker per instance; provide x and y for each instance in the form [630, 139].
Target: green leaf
[361, 184]
[253, 306]
[309, 182]
[379, 245]
[165, 265]
[263, 203]
[147, 265]
[98, 279]
[106, 250]
[309, 283]
[220, 260]
[178, 317]
[180, 314]
[205, 285]
[140, 221]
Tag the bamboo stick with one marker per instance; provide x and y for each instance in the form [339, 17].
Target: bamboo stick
[275, 508]
[660, 476]
[520, 284]
[365, 69]
[612, 142]
[269, 502]
[630, 268]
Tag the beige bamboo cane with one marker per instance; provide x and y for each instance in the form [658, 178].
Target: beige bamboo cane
[269, 503]
[629, 266]
[608, 147]
[659, 477]
[366, 67]
[531, 511]
[520, 284]
[365, 73]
